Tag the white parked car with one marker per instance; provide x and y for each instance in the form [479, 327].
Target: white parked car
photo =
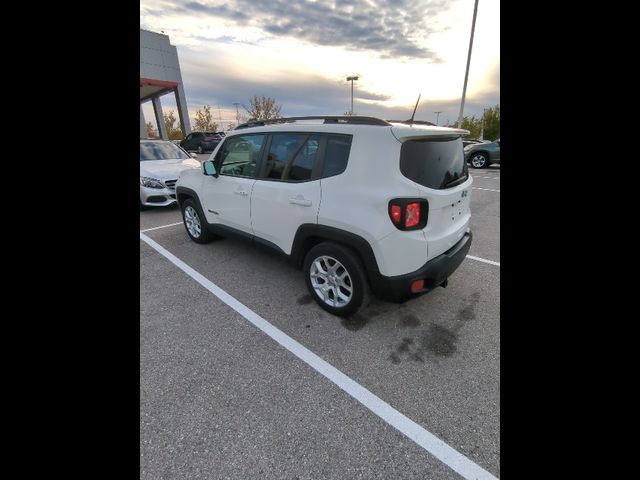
[359, 203]
[161, 163]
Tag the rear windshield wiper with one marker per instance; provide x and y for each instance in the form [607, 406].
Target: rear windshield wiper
[456, 181]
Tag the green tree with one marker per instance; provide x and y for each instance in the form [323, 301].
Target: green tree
[263, 108]
[172, 125]
[490, 120]
[492, 123]
[204, 121]
[472, 124]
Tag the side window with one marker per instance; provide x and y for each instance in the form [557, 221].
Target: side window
[189, 137]
[291, 156]
[239, 155]
[302, 165]
[336, 155]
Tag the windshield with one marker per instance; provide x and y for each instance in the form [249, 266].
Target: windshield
[434, 163]
[161, 151]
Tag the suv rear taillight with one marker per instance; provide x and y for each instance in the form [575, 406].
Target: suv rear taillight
[409, 213]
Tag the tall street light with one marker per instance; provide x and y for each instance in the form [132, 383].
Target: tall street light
[466, 75]
[437, 116]
[351, 79]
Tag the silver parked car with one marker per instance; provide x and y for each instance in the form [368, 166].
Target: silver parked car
[481, 155]
[161, 163]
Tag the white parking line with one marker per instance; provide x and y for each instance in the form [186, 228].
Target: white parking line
[432, 444]
[487, 189]
[490, 262]
[162, 226]
[492, 178]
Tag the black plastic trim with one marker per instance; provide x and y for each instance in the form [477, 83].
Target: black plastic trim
[310, 231]
[343, 119]
[435, 273]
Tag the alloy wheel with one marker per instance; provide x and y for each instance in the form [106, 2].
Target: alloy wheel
[331, 281]
[192, 221]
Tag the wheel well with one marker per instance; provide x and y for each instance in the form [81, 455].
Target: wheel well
[482, 151]
[314, 240]
[307, 245]
[182, 197]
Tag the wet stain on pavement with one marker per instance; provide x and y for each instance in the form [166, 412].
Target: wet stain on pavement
[468, 313]
[409, 321]
[440, 341]
[404, 346]
[437, 340]
[355, 322]
[304, 299]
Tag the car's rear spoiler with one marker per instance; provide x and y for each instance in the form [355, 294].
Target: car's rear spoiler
[405, 132]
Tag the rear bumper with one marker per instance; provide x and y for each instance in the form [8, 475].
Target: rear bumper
[434, 273]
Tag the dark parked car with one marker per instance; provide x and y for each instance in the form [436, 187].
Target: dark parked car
[481, 155]
[471, 141]
[202, 142]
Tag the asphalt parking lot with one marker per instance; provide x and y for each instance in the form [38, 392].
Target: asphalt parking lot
[219, 398]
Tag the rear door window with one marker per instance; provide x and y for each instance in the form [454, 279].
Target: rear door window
[434, 163]
[291, 157]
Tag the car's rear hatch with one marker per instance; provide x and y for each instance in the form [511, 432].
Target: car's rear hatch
[433, 158]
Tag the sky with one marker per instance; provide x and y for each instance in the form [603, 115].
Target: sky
[300, 52]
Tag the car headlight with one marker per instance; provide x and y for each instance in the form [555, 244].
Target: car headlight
[150, 182]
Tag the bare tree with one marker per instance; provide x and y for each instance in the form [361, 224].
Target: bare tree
[203, 120]
[263, 108]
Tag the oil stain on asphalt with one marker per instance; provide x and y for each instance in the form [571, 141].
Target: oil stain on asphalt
[304, 299]
[437, 340]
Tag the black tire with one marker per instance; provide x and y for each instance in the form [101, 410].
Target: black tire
[200, 149]
[481, 158]
[190, 209]
[360, 294]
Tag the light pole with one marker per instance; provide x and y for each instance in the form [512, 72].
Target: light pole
[466, 75]
[237, 113]
[351, 79]
[437, 116]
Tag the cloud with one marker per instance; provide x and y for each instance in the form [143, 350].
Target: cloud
[391, 28]
[311, 94]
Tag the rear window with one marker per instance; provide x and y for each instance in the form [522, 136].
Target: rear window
[434, 163]
[337, 155]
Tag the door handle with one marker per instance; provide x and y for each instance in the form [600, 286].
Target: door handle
[240, 192]
[300, 201]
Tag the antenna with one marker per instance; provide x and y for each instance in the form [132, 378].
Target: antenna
[414, 110]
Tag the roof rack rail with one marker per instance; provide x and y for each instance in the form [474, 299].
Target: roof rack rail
[342, 119]
[409, 122]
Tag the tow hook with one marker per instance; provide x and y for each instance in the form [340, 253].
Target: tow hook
[445, 283]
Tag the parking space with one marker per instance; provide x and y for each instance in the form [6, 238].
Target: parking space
[221, 399]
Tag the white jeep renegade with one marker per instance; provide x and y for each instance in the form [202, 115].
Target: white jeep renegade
[358, 202]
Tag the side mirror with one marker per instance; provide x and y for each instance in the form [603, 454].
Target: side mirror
[209, 169]
[194, 155]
